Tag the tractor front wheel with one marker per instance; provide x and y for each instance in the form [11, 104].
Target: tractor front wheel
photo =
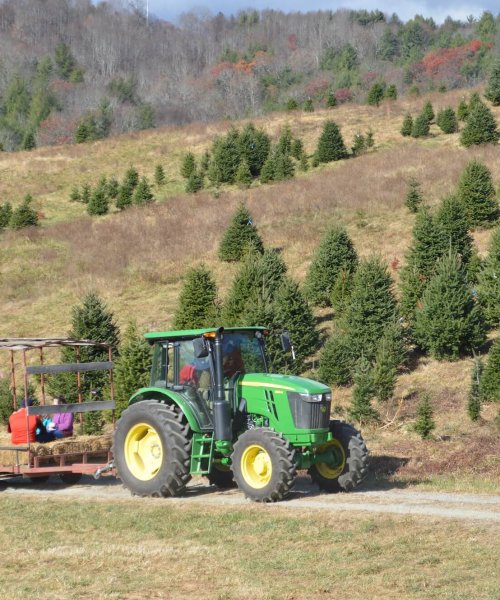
[152, 448]
[263, 464]
[351, 468]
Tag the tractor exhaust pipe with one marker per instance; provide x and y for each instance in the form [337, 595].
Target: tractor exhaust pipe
[223, 422]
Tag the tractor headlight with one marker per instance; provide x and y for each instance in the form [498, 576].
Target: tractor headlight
[312, 397]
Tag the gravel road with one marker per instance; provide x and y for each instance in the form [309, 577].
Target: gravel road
[464, 507]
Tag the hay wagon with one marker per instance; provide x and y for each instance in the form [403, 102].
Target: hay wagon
[70, 457]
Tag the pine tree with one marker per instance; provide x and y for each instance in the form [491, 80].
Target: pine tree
[268, 169]
[131, 178]
[447, 120]
[308, 105]
[226, 156]
[341, 291]
[132, 367]
[336, 361]
[330, 144]
[391, 92]
[421, 125]
[390, 354]
[86, 193]
[480, 126]
[75, 194]
[188, 165]
[492, 92]
[490, 379]
[293, 314]
[283, 166]
[371, 308]
[28, 142]
[359, 144]
[451, 220]
[98, 203]
[194, 183]
[477, 193]
[449, 322]
[489, 282]
[335, 253]
[462, 110]
[64, 60]
[113, 188]
[243, 175]
[303, 163]
[160, 178]
[5, 214]
[291, 104]
[414, 197]
[428, 111]
[198, 300]
[124, 197]
[24, 215]
[331, 101]
[361, 409]
[474, 397]
[297, 149]
[407, 126]
[142, 193]
[424, 424]
[376, 94]
[240, 234]
[285, 141]
[254, 145]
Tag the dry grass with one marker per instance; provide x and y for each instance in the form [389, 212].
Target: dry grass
[149, 549]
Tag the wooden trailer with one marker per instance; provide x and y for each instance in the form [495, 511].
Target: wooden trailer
[69, 457]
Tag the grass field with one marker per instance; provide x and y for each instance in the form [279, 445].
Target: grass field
[152, 549]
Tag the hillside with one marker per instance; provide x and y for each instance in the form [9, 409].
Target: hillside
[135, 260]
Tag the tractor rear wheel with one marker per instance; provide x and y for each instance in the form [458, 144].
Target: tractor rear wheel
[263, 464]
[152, 449]
[348, 443]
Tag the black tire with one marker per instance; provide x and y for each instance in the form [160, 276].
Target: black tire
[221, 476]
[355, 466]
[70, 478]
[278, 469]
[168, 449]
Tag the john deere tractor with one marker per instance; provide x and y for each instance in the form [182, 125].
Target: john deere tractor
[213, 409]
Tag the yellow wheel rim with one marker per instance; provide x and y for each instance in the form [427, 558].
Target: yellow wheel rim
[256, 466]
[143, 451]
[324, 469]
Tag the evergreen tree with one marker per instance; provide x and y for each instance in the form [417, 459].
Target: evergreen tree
[361, 409]
[336, 361]
[341, 291]
[492, 92]
[64, 60]
[98, 203]
[28, 141]
[86, 193]
[285, 141]
[428, 111]
[414, 197]
[407, 126]
[426, 248]
[103, 119]
[198, 300]
[308, 105]
[474, 397]
[489, 282]
[480, 126]
[24, 215]
[331, 101]
[330, 144]
[160, 178]
[451, 220]
[297, 149]
[5, 214]
[113, 188]
[124, 197]
[421, 125]
[188, 165]
[447, 120]
[303, 163]
[376, 93]
[254, 145]
[424, 424]
[335, 253]
[86, 130]
[194, 183]
[240, 234]
[226, 156]
[391, 92]
[477, 193]
[268, 169]
[388, 358]
[291, 104]
[371, 308]
[462, 110]
[75, 194]
[132, 367]
[283, 166]
[243, 175]
[131, 178]
[490, 379]
[388, 46]
[449, 322]
[359, 144]
[142, 193]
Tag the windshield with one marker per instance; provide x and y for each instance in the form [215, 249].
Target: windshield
[243, 352]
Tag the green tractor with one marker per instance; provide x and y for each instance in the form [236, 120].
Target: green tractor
[213, 409]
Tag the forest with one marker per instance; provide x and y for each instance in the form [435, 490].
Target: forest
[75, 71]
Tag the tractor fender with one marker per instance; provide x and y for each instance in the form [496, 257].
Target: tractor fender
[167, 397]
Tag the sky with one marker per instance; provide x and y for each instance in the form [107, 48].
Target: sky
[437, 9]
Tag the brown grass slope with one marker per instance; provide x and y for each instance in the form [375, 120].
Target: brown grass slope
[136, 259]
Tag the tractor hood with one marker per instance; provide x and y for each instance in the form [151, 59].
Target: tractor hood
[288, 383]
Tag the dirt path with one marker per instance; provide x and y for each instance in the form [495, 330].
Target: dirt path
[464, 507]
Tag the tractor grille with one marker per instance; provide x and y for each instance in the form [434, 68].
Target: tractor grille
[309, 415]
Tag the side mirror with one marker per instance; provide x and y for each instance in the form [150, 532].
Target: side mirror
[199, 348]
[286, 342]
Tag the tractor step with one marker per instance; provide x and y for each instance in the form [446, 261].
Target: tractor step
[202, 453]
